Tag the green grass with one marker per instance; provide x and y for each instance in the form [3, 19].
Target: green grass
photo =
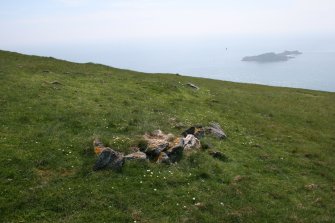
[280, 140]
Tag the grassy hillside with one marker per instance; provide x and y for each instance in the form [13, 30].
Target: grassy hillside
[281, 147]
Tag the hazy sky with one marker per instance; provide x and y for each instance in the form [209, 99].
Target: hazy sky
[43, 22]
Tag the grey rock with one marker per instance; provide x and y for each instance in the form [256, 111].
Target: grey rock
[109, 159]
[136, 156]
[216, 130]
[193, 86]
[191, 142]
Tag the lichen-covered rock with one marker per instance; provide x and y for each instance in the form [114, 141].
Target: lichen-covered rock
[153, 153]
[158, 147]
[109, 159]
[216, 130]
[191, 142]
[157, 138]
[98, 146]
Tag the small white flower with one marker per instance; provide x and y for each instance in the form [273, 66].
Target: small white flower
[155, 189]
[140, 182]
[193, 198]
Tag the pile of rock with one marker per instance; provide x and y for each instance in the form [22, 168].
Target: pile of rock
[159, 147]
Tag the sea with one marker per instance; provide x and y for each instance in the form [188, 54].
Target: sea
[219, 59]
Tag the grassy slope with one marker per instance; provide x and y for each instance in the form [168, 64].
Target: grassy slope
[280, 140]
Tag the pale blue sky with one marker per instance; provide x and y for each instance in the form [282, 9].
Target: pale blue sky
[47, 22]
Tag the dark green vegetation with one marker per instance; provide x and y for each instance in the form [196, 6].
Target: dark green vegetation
[280, 146]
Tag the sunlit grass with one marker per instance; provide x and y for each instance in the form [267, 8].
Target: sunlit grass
[280, 144]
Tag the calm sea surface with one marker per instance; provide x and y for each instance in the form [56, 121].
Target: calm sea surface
[314, 69]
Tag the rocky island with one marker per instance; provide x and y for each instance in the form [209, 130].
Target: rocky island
[273, 57]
